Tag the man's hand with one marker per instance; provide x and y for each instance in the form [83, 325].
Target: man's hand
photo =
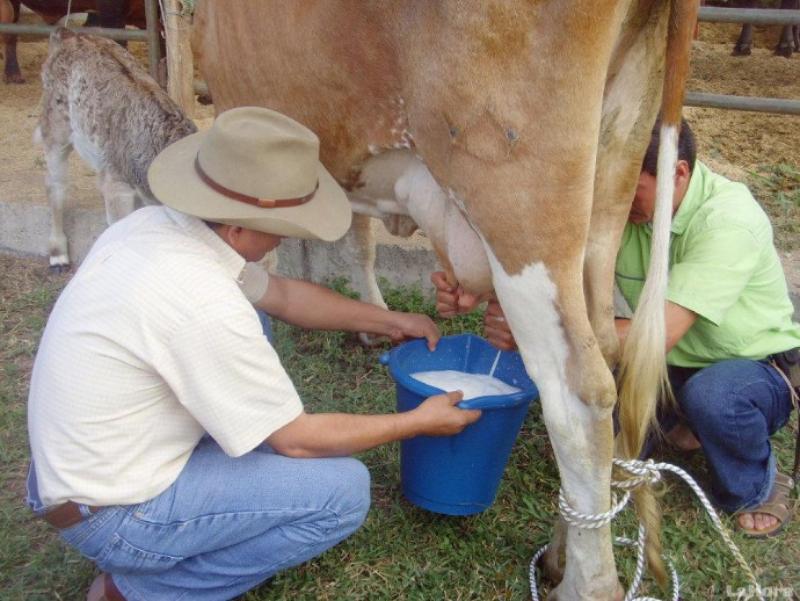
[452, 300]
[439, 416]
[496, 327]
[413, 325]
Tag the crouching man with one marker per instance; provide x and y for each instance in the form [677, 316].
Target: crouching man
[169, 444]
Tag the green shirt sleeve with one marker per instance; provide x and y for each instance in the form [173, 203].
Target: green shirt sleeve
[713, 271]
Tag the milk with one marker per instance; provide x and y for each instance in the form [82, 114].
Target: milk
[473, 385]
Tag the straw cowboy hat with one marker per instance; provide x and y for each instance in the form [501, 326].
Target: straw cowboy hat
[257, 169]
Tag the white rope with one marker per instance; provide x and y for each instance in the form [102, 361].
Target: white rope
[644, 472]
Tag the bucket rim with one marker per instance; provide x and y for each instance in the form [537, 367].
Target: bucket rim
[527, 394]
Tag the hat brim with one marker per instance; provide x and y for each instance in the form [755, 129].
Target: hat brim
[175, 182]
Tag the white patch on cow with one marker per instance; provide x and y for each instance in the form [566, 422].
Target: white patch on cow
[529, 303]
[373, 149]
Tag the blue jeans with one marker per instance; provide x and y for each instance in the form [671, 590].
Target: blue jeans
[733, 407]
[266, 325]
[225, 525]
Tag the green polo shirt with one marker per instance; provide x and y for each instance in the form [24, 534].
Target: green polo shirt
[724, 267]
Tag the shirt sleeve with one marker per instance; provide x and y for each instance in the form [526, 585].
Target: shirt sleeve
[223, 370]
[253, 282]
[714, 271]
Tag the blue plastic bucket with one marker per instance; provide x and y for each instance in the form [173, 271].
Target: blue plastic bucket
[459, 475]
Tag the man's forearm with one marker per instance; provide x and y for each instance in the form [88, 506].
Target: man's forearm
[341, 434]
[315, 307]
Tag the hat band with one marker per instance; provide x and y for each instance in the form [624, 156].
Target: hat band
[265, 203]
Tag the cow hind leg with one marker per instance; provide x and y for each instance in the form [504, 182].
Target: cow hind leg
[359, 244]
[56, 181]
[546, 311]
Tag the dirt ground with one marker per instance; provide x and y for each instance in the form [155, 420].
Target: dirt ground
[733, 142]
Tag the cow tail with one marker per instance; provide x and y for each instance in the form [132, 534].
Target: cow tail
[643, 369]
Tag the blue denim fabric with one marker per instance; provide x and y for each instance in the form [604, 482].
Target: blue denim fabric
[733, 407]
[266, 325]
[225, 525]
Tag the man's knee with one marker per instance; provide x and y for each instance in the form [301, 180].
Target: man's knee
[353, 492]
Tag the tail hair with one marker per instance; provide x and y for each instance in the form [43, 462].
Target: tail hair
[643, 370]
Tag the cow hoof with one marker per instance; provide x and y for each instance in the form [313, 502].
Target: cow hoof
[13, 78]
[784, 50]
[552, 567]
[741, 51]
[560, 594]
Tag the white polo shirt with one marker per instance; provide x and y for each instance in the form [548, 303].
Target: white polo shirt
[151, 345]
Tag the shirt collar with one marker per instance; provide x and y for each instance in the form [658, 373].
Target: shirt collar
[232, 261]
[692, 199]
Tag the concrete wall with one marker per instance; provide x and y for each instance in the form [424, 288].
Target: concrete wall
[24, 229]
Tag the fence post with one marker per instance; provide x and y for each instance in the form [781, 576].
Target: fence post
[153, 36]
[180, 63]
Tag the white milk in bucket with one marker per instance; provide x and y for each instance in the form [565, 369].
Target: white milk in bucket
[473, 385]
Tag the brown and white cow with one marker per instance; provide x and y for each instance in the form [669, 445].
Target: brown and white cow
[98, 100]
[513, 132]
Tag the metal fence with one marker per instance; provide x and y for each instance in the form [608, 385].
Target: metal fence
[756, 16]
[151, 34]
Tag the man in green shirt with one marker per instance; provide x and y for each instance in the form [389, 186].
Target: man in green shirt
[727, 313]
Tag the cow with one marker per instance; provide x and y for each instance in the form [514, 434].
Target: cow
[109, 13]
[514, 131]
[97, 99]
[788, 42]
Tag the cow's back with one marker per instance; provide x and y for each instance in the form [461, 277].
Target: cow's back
[119, 116]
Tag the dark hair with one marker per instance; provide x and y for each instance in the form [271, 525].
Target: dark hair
[687, 148]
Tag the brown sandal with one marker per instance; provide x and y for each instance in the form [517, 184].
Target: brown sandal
[778, 505]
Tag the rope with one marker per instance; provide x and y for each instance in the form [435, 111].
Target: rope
[643, 472]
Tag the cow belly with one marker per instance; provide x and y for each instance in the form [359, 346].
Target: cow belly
[401, 179]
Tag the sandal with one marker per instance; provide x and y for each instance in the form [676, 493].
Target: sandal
[778, 505]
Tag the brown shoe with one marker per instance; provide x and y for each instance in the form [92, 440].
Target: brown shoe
[104, 589]
[778, 505]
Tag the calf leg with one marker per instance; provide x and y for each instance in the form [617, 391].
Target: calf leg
[360, 245]
[9, 13]
[56, 184]
[119, 197]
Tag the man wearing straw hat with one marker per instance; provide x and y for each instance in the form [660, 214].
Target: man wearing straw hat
[154, 387]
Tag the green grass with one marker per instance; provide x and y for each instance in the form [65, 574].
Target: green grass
[777, 187]
[401, 552]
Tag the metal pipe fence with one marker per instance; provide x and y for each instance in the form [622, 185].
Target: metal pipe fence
[151, 34]
[755, 16]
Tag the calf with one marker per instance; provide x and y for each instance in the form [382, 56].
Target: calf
[110, 13]
[98, 100]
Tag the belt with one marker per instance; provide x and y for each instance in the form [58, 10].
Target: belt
[66, 515]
